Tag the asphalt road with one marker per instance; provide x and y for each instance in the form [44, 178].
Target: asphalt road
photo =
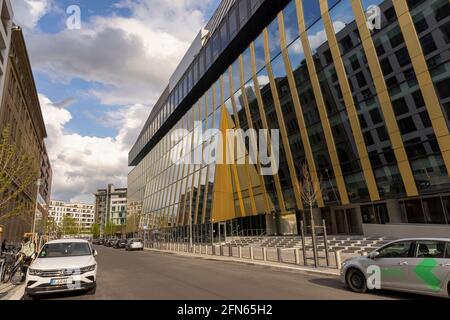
[158, 276]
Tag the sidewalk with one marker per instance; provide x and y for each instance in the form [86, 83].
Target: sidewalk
[11, 292]
[272, 264]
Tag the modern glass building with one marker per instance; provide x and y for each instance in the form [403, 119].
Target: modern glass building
[366, 107]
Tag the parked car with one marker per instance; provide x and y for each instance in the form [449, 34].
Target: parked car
[110, 242]
[120, 243]
[100, 241]
[135, 244]
[63, 265]
[411, 265]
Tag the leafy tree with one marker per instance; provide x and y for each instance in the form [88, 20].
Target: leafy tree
[69, 226]
[310, 190]
[17, 173]
[110, 229]
[95, 230]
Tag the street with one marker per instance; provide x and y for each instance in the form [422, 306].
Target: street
[158, 276]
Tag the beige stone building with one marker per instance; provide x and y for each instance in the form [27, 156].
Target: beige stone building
[21, 111]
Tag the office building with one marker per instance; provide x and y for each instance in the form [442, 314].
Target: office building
[365, 107]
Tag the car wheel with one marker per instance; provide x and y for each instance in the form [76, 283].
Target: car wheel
[448, 289]
[27, 297]
[356, 281]
[92, 291]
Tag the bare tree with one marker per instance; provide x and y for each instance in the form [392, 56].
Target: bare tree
[17, 173]
[310, 191]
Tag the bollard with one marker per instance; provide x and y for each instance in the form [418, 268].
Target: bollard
[194, 249]
[264, 252]
[240, 252]
[221, 250]
[230, 250]
[251, 253]
[279, 255]
[297, 256]
[337, 255]
[213, 250]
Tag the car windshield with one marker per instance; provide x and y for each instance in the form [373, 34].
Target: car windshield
[67, 249]
[136, 240]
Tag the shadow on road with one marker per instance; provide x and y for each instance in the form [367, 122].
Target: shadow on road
[337, 284]
[63, 295]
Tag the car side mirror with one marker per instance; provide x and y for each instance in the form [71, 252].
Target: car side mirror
[373, 255]
[95, 253]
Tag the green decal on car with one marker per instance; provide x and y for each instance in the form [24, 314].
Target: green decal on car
[392, 273]
[424, 271]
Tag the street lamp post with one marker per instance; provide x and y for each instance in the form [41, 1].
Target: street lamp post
[38, 184]
[190, 221]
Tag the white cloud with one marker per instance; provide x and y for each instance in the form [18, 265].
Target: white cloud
[129, 58]
[27, 13]
[82, 164]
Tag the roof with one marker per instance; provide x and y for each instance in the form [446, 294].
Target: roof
[67, 240]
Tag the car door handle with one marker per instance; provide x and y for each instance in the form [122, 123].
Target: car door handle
[403, 263]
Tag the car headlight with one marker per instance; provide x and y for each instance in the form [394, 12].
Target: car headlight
[88, 269]
[34, 272]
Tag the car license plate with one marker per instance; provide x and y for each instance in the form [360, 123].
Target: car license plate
[58, 282]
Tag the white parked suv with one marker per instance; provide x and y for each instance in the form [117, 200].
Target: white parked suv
[61, 266]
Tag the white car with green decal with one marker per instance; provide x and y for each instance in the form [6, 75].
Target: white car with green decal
[411, 265]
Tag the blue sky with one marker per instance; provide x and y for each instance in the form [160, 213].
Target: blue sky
[98, 84]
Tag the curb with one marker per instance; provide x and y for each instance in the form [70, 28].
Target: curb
[14, 293]
[324, 271]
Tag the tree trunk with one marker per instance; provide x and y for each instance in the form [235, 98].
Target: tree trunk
[313, 236]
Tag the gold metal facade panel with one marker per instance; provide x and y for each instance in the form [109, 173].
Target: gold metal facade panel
[321, 106]
[385, 101]
[424, 79]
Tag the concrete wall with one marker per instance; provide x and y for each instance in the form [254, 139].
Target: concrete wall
[406, 230]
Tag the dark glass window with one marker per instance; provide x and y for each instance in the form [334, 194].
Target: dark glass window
[401, 249]
[354, 61]
[347, 44]
[375, 116]
[414, 211]
[361, 79]
[389, 155]
[403, 57]
[420, 23]
[328, 57]
[382, 133]
[414, 3]
[400, 106]
[433, 211]
[395, 37]
[425, 119]
[362, 121]
[407, 125]
[386, 66]
[233, 22]
[380, 49]
[441, 9]
[443, 87]
[445, 29]
[390, 14]
[418, 99]
[243, 11]
[368, 138]
[430, 249]
[428, 44]
[224, 36]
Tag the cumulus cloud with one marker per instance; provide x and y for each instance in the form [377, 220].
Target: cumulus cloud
[82, 164]
[129, 58]
[27, 13]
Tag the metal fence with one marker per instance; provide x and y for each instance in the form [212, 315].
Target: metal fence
[289, 256]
